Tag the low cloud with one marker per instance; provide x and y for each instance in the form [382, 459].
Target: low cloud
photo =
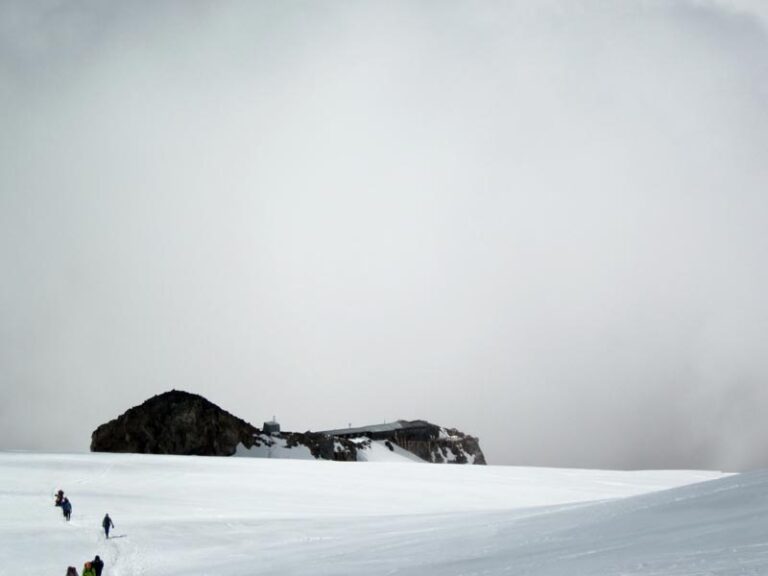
[540, 222]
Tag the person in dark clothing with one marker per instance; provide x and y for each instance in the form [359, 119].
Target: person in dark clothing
[71, 571]
[66, 508]
[59, 498]
[107, 524]
[98, 565]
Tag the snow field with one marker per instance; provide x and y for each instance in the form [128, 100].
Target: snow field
[196, 515]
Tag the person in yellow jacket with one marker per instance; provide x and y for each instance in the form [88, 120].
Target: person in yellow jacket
[88, 570]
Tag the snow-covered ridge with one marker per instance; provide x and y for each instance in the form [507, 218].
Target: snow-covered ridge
[399, 441]
[365, 450]
[431, 443]
[177, 422]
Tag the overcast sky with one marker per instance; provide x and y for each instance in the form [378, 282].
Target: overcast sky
[542, 222]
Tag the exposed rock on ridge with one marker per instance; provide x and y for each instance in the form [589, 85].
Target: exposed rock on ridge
[178, 422]
[321, 446]
[174, 422]
[428, 441]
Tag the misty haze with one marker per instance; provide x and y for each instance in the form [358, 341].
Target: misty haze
[543, 223]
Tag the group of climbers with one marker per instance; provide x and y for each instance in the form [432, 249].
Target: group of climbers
[95, 566]
[92, 568]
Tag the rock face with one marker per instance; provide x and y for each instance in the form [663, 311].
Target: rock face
[290, 444]
[174, 422]
[441, 445]
[457, 447]
[428, 441]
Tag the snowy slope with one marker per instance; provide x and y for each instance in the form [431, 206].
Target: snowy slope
[192, 515]
[273, 447]
[377, 451]
[367, 451]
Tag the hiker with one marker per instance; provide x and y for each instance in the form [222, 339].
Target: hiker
[71, 571]
[98, 565]
[88, 570]
[107, 523]
[66, 508]
[59, 498]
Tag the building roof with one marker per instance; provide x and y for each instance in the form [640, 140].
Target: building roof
[376, 428]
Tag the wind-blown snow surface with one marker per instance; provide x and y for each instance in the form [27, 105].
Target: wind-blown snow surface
[244, 516]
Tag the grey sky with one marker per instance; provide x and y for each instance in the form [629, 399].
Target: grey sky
[544, 223]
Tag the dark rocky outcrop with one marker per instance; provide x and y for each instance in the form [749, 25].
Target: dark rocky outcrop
[458, 447]
[174, 422]
[178, 422]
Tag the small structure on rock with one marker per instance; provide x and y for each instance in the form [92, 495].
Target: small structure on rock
[271, 427]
